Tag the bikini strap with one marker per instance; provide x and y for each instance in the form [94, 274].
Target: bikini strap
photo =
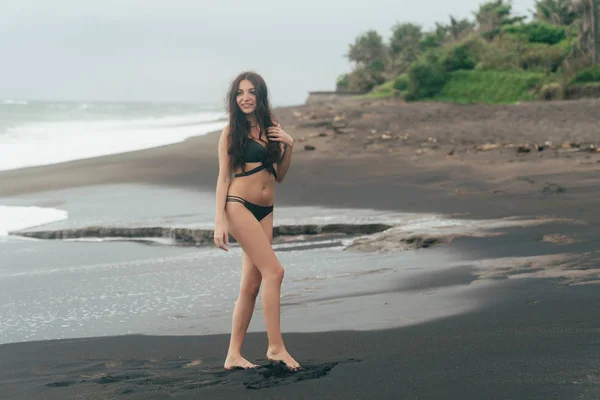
[236, 199]
[255, 170]
[252, 171]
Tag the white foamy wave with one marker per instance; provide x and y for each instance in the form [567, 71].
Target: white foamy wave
[157, 240]
[49, 143]
[15, 218]
[16, 102]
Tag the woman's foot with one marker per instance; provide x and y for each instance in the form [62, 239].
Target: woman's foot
[282, 356]
[238, 362]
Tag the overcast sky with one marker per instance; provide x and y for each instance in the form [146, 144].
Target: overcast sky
[189, 50]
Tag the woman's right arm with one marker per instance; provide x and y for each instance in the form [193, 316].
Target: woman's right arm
[221, 236]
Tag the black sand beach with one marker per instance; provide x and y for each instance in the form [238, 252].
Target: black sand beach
[533, 336]
[533, 340]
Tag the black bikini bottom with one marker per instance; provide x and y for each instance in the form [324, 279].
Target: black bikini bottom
[259, 212]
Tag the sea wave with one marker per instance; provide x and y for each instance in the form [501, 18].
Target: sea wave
[15, 102]
[14, 218]
[54, 142]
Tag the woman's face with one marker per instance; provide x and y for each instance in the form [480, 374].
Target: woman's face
[246, 97]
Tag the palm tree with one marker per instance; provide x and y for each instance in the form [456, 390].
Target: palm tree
[493, 15]
[587, 11]
[557, 12]
[405, 45]
[459, 27]
[595, 30]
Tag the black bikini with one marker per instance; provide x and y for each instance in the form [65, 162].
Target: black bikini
[259, 212]
[254, 152]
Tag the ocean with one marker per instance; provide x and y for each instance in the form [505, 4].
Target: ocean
[47, 132]
[34, 133]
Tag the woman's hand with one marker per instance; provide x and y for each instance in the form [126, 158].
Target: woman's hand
[277, 134]
[221, 237]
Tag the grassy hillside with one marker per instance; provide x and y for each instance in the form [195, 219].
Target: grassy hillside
[492, 87]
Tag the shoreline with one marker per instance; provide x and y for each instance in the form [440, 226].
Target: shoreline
[435, 152]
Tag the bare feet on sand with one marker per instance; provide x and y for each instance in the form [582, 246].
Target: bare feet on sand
[274, 355]
[235, 362]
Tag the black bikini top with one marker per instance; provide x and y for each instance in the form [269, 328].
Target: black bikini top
[254, 151]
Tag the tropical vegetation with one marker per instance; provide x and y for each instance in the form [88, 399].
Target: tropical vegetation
[495, 57]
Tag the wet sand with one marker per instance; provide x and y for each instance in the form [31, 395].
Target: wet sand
[533, 340]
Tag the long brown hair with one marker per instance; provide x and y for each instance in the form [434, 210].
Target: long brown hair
[239, 127]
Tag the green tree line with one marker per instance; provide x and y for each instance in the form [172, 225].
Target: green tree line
[559, 43]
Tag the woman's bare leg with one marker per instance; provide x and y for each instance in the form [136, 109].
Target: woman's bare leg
[244, 306]
[242, 314]
[249, 233]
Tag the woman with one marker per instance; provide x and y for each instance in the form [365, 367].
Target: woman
[257, 151]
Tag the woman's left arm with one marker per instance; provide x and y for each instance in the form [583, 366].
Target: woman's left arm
[286, 143]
